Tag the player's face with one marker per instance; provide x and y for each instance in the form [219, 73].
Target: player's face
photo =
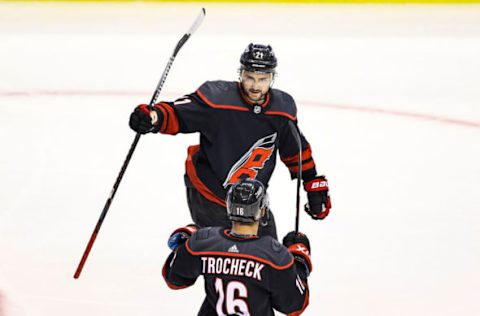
[256, 85]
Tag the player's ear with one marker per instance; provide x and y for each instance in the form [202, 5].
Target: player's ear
[274, 75]
[240, 74]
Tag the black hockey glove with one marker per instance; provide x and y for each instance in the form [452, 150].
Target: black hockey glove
[319, 204]
[181, 235]
[141, 121]
[299, 245]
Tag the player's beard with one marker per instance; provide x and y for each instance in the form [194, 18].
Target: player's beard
[256, 96]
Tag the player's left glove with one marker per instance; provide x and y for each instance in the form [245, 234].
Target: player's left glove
[181, 235]
[299, 245]
[319, 204]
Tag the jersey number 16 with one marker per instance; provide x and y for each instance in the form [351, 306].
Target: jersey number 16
[234, 304]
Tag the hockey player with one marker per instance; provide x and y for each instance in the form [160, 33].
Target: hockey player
[242, 125]
[244, 274]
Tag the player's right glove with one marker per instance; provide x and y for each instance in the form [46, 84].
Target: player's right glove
[141, 119]
[181, 235]
[299, 245]
[319, 204]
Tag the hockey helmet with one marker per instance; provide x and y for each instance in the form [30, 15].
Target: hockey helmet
[245, 200]
[258, 58]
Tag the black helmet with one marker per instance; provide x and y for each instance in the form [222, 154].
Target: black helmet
[245, 199]
[258, 58]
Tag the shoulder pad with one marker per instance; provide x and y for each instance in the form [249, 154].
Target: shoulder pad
[212, 241]
[277, 246]
[282, 103]
[217, 85]
[205, 239]
[202, 233]
[221, 94]
[271, 250]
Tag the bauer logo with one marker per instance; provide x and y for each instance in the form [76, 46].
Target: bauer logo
[317, 185]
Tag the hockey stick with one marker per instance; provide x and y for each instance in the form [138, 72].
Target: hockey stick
[299, 173]
[180, 43]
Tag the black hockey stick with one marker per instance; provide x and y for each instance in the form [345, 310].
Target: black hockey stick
[296, 133]
[180, 43]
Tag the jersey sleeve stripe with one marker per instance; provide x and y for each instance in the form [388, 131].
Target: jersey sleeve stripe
[306, 154]
[296, 163]
[220, 106]
[305, 167]
[197, 183]
[238, 255]
[171, 121]
[165, 114]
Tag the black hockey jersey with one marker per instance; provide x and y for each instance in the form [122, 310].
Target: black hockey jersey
[248, 277]
[238, 139]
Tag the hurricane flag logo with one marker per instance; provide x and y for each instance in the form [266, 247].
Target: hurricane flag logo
[252, 161]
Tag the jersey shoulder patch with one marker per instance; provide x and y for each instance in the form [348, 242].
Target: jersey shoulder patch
[282, 103]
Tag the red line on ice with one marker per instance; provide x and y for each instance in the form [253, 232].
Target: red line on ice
[421, 116]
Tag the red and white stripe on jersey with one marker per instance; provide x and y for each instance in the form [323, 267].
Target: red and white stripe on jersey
[170, 123]
[307, 161]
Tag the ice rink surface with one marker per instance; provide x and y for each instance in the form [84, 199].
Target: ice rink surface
[388, 96]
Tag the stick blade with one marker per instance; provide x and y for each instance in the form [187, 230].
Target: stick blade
[197, 22]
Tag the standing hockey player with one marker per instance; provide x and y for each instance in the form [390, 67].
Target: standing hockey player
[242, 125]
[244, 274]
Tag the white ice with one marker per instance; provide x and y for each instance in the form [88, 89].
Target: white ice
[388, 96]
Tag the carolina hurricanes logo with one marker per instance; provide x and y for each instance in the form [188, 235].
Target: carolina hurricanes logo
[253, 160]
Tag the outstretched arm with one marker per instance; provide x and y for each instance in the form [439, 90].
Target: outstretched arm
[187, 114]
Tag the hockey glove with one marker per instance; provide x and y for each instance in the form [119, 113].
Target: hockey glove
[181, 235]
[299, 245]
[141, 120]
[319, 204]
